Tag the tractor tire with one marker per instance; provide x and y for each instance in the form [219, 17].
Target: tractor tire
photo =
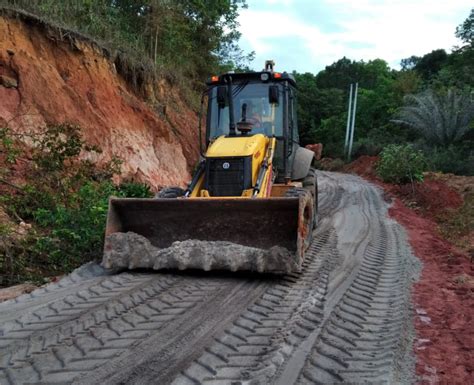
[310, 182]
[170, 192]
[308, 215]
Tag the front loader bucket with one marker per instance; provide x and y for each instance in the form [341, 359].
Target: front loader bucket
[262, 234]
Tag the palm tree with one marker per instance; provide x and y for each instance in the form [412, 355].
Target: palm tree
[441, 118]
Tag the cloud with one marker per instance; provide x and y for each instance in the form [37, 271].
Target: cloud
[307, 35]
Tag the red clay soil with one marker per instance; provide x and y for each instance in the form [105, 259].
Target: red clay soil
[431, 198]
[363, 166]
[444, 301]
[48, 80]
[444, 294]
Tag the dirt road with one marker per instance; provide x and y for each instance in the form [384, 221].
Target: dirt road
[345, 318]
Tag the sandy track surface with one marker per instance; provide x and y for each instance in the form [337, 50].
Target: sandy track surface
[346, 318]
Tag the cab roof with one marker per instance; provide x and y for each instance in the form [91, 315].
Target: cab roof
[239, 77]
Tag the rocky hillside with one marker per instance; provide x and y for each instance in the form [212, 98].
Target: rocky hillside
[49, 75]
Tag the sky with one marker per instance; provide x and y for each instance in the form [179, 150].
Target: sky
[307, 35]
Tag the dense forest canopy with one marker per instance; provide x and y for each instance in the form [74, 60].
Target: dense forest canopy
[191, 39]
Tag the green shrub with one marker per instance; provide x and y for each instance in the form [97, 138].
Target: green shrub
[366, 146]
[401, 164]
[7, 147]
[145, 38]
[134, 190]
[65, 198]
[74, 230]
[455, 159]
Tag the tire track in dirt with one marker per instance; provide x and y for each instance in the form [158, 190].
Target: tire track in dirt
[78, 280]
[65, 310]
[361, 338]
[285, 313]
[344, 318]
[181, 341]
[361, 308]
[85, 343]
[366, 336]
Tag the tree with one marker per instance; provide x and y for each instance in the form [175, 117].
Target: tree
[193, 38]
[322, 102]
[465, 31]
[406, 82]
[431, 63]
[442, 119]
[314, 105]
[338, 75]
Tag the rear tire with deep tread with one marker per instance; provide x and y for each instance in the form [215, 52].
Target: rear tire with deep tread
[298, 192]
[170, 192]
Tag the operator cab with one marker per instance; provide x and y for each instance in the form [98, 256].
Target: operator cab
[253, 112]
[260, 103]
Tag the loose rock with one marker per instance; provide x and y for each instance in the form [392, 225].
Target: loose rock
[8, 81]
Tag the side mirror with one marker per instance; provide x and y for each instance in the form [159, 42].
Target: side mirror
[222, 96]
[273, 94]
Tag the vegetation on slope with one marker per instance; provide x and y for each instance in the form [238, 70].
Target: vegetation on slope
[53, 213]
[63, 196]
[181, 40]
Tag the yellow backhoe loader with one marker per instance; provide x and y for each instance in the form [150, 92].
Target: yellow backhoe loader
[252, 201]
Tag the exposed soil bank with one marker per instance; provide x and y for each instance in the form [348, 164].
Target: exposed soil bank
[51, 76]
[433, 197]
[444, 297]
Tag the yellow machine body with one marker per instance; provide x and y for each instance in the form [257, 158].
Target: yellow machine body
[263, 220]
[233, 202]
[258, 146]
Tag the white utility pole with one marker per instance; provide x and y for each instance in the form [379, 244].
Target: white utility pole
[348, 125]
[351, 139]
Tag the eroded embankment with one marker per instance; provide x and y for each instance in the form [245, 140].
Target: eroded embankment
[49, 75]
